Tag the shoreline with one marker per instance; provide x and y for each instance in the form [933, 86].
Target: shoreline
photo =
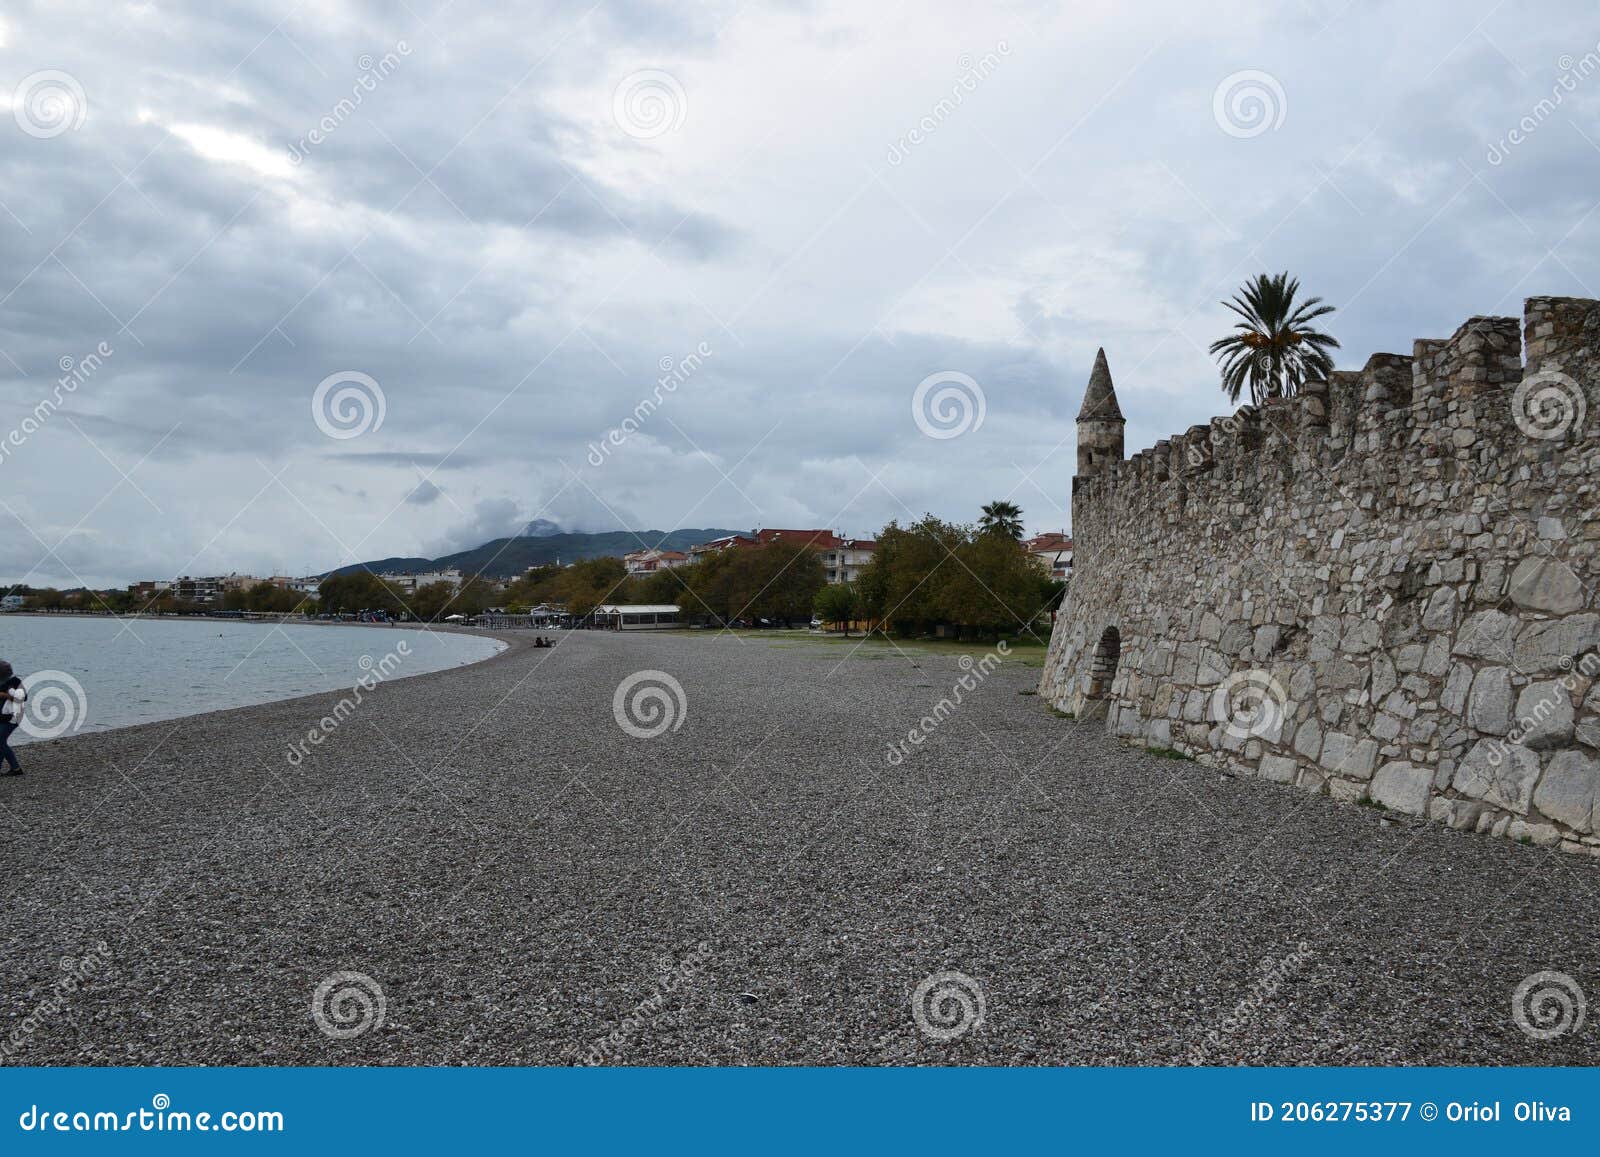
[512, 645]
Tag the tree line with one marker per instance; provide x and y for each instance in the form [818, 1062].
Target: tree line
[926, 577]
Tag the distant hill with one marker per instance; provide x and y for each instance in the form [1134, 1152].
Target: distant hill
[510, 557]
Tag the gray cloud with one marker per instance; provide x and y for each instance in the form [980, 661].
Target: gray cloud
[482, 238]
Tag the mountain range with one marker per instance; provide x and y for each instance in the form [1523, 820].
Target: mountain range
[540, 543]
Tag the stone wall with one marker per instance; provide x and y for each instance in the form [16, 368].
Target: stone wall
[1383, 589]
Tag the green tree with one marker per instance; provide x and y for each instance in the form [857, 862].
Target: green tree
[430, 603]
[777, 581]
[993, 588]
[1276, 349]
[660, 587]
[836, 603]
[900, 587]
[1002, 517]
[587, 584]
[358, 590]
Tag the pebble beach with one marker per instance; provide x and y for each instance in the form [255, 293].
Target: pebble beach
[516, 877]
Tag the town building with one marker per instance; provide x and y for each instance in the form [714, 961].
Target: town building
[717, 545]
[197, 590]
[842, 558]
[410, 582]
[635, 616]
[648, 561]
[1053, 551]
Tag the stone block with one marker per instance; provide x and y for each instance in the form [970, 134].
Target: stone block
[1440, 613]
[1544, 716]
[1403, 787]
[1348, 756]
[1555, 644]
[1542, 835]
[1308, 739]
[1489, 701]
[1346, 790]
[1542, 583]
[1487, 635]
[1499, 773]
[1568, 790]
[1278, 768]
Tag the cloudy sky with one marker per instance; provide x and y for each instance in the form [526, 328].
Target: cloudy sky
[492, 226]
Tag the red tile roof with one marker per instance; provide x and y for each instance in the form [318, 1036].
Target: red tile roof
[1051, 541]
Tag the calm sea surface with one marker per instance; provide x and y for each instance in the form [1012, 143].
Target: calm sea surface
[140, 670]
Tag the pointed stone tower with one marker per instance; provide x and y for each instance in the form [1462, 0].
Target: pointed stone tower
[1100, 421]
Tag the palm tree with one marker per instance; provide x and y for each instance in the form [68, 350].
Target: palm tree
[1002, 517]
[1277, 349]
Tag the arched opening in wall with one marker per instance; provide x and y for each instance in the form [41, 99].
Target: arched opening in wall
[1104, 667]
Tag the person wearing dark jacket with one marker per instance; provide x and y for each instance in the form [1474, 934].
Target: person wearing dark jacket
[12, 697]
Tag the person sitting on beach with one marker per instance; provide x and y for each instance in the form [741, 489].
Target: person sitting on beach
[12, 697]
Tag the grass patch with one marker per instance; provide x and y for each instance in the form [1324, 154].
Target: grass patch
[1058, 713]
[1168, 753]
[1368, 801]
[1027, 691]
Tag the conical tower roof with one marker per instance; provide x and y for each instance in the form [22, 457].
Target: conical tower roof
[1100, 399]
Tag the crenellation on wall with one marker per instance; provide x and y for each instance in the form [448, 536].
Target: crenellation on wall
[1345, 389]
[1399, 562]
[1312, 404]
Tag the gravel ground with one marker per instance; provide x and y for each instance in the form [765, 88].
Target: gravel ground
[526, 883]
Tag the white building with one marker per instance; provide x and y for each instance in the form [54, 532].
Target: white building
[647, 561]
[635, 616]
[842, 561]
[410, 582]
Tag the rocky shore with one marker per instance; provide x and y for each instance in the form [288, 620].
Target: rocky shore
[483, 866]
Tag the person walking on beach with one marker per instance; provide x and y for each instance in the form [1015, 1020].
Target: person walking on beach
[12, 697]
